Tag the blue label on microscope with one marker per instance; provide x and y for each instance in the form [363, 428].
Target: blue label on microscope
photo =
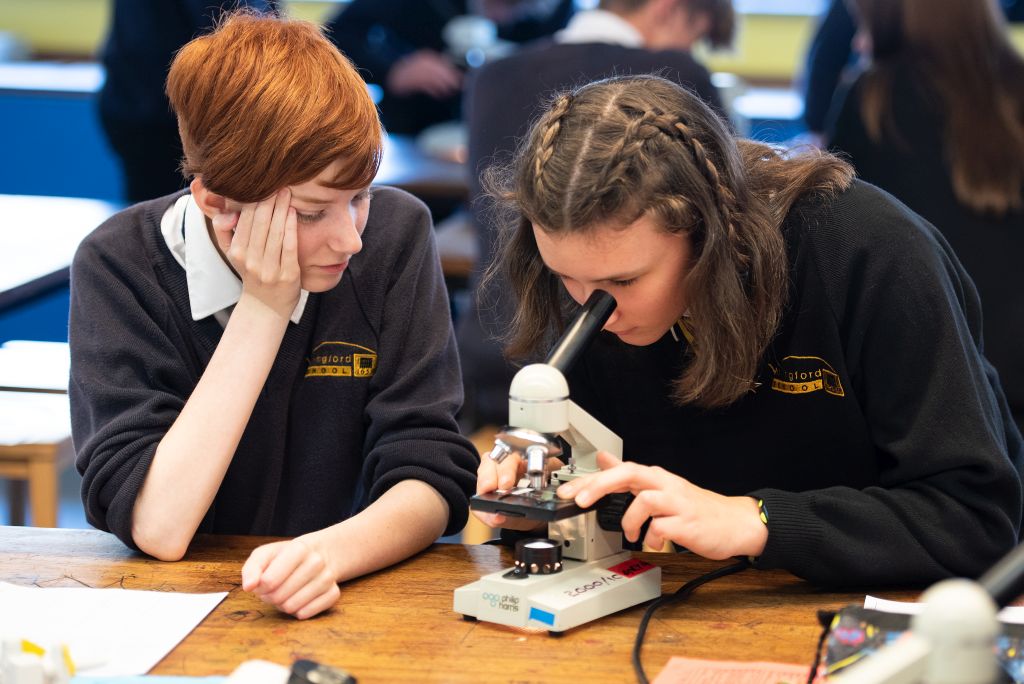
[542, 616]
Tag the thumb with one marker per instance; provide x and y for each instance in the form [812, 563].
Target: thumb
[223, 227]
[606, 460]
[258, 561]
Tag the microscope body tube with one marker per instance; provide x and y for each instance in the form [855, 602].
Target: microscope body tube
[582, 329]
[538, 397]
[1004, 581]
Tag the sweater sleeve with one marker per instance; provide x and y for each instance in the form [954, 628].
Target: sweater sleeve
[128, 379]
[948, 502]
[417, 389]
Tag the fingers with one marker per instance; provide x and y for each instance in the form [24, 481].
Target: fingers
[486, 476]
[606, 460]
[291, 576]
[257, 562]
[271, 255]
[319, 604]
[623, 477]
[224, 229]
[261, 220]
[240, 241]
[290, 246]
[288, 558]
[491, 475]
[649, 503]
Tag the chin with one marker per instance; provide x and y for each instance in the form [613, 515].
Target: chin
[320, 283]
[638, 338]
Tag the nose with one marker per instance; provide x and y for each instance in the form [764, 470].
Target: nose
[610, 323]
[344, 235]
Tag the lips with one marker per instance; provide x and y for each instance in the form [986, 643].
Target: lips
[334, 268]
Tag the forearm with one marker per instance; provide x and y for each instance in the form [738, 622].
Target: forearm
[404, 520]
[193, 456]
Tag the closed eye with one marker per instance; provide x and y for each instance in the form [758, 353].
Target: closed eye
[310, 218]
[623, 283]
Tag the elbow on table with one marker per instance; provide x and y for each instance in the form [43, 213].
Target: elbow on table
[159, 544]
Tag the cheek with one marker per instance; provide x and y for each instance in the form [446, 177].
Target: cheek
[306, 247]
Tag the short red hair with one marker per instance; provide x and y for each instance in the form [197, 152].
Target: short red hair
[264, 102]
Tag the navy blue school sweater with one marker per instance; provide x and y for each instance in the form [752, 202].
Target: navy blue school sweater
[362, 394]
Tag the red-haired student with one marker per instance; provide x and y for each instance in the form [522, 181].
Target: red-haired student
[271, 352]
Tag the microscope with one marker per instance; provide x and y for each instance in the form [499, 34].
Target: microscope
[953, 639]
[579, 572]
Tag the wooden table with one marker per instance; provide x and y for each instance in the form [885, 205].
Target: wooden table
[398, 625]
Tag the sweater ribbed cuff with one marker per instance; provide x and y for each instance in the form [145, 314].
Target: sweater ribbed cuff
[794, 531]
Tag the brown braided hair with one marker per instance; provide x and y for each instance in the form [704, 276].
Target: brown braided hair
[615, 150]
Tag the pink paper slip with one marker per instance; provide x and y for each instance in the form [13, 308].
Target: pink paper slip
[695, 671]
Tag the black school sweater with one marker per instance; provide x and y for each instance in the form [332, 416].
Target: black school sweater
[361, 396]
[879, 437]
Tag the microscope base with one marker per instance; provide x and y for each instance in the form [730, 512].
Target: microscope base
[581, 592]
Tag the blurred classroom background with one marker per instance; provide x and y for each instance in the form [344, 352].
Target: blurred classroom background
[59, 179]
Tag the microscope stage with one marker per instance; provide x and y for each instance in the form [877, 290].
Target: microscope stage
[526, 503]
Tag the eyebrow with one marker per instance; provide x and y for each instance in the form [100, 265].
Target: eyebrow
[310, 200]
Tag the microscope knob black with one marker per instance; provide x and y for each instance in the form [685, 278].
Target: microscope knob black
[610, 510]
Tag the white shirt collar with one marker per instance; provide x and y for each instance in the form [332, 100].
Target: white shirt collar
[213, 288]
[600, 26]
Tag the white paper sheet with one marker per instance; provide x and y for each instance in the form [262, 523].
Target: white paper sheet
[1014, 614]
[110, 632]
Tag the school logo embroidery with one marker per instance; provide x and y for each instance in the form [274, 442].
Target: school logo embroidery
[341, 360]
[806, 374]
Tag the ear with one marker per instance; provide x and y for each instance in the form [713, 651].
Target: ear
[221, 216]
[209, 202]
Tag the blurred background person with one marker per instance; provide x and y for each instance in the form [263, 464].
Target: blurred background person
[403, 46]
[134, 112]
[831, 52]
[937, 119]
[620, 37]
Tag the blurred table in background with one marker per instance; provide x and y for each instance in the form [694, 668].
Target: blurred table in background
[405, 165]
[38, 239]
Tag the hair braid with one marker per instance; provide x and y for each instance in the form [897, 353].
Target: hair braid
[546, 148]
[724, 197]
[638, 131]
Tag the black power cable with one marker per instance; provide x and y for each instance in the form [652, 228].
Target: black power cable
[679, 595]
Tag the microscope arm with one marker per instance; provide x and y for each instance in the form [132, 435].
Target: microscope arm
[587, 435]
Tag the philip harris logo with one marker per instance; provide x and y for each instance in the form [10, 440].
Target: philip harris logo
[341, 360]
[806, 374]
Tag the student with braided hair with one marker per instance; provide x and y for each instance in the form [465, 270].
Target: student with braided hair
[794, 362]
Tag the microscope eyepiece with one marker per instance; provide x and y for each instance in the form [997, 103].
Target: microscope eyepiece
[582, 329]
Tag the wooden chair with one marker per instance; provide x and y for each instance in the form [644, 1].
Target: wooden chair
[475, 532]
[35, 427]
